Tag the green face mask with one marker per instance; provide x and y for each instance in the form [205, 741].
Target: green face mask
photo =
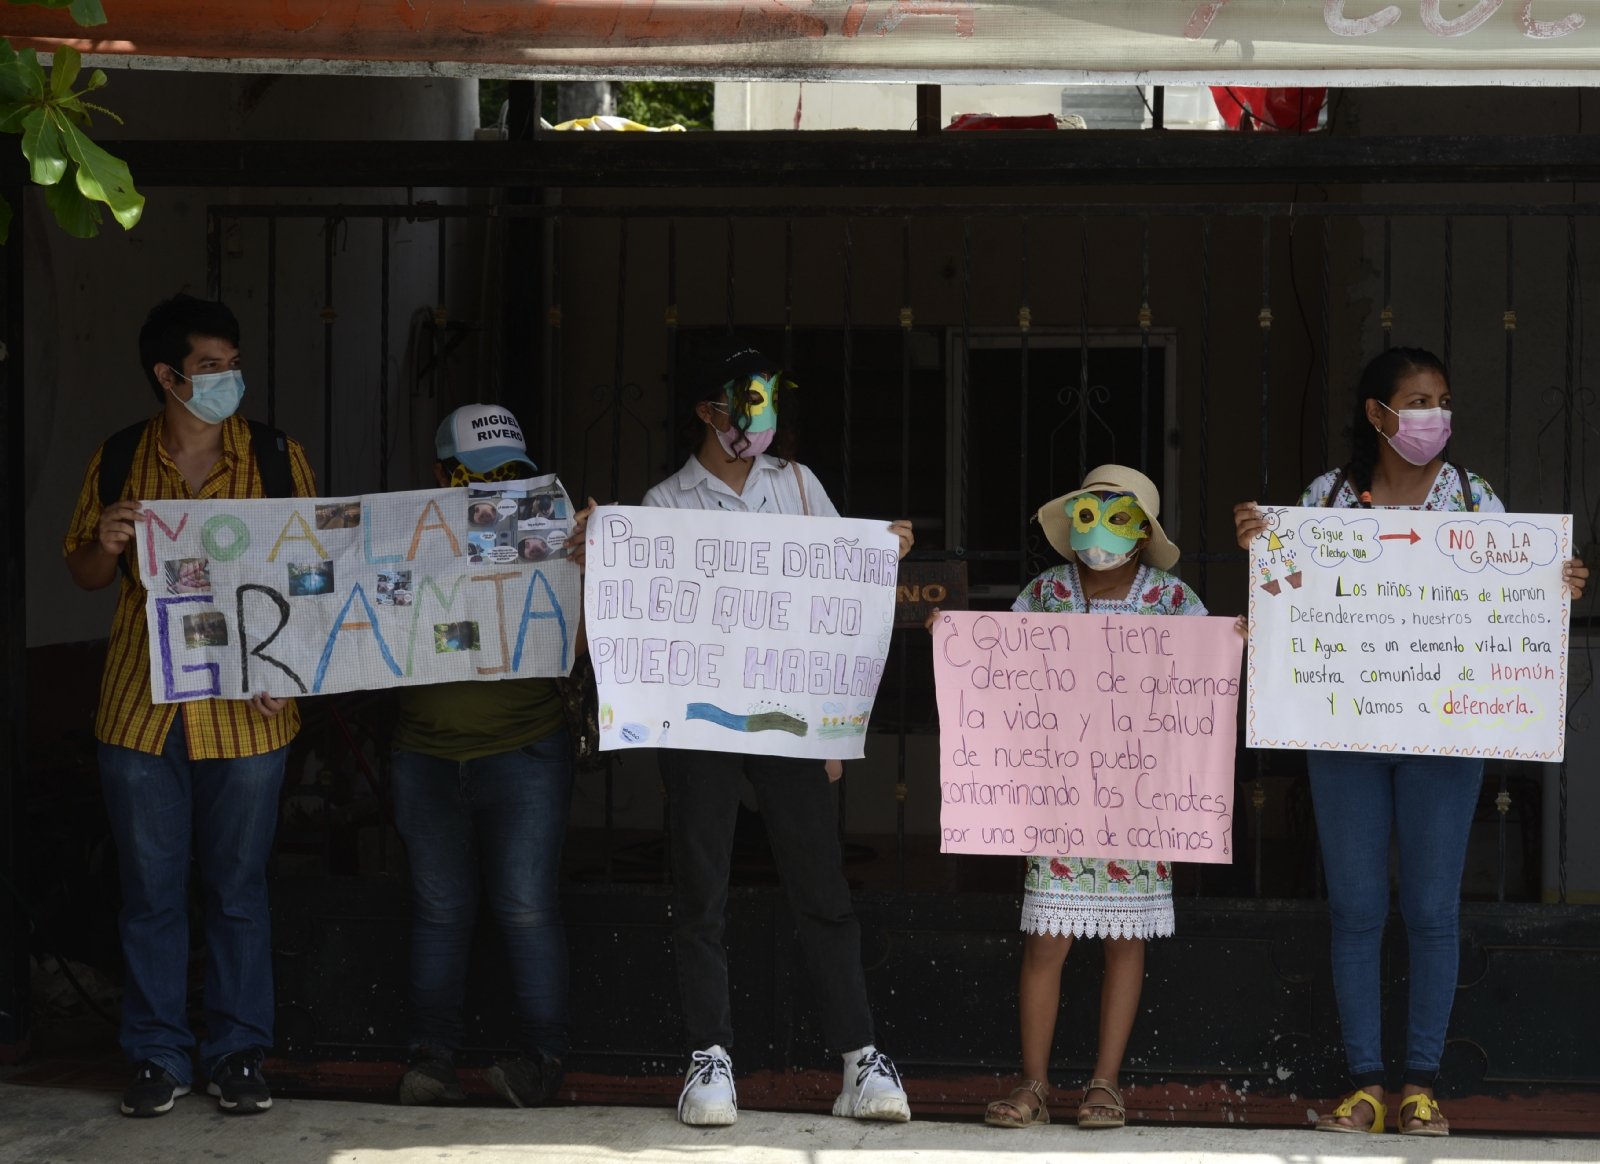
[763, 407]
[1107, 530]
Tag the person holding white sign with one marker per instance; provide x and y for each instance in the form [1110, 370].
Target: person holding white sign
[731, 470]
[1117, 562]
[1399, 434]
[482, 783]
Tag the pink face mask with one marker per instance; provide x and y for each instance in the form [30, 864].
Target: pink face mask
[1421, 435]
[755, 443]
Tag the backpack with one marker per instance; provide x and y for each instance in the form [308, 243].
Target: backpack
[1467, 494]
[270, 445]
[116, 462]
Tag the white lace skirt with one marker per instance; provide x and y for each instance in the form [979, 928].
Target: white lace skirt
[1092, 897]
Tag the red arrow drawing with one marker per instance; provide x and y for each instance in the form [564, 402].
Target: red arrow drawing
[1411, 537]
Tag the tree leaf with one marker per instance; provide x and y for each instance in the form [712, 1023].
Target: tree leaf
[74, 213]
[42, 146]
[5, 221]
[31, 75]
[102, 177]
[12, 86]
[11, 115]
[97, 80]
[64, 69]
[88, 12]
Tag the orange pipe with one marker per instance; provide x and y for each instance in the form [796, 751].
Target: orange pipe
[511, 32]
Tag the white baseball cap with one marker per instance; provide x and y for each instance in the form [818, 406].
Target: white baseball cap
[482, 437]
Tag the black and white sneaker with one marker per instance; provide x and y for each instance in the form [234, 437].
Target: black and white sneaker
[872, 1088]
[430, 1078]
[153, 1091]
[238, 1084]
[526, 1081]
[709, 1099]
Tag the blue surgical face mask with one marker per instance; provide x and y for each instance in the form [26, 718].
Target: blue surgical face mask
[216, 395]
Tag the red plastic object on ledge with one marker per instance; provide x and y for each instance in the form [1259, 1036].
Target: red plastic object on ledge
[1269, 110]
[995, 121]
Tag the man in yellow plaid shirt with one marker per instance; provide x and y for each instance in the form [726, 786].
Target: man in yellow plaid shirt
[201, 776]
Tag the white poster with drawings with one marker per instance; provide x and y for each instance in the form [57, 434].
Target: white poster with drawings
[312, 595]
[1403, 631]
[737, 632]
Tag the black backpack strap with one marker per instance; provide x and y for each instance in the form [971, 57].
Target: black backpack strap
[272, 460]
[116, 462]
[1468, 498]
[1329, 501]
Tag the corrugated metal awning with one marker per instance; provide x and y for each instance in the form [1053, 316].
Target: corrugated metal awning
[1271, 42]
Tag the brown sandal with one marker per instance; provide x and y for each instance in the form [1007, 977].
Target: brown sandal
[1117, 1119]
[995, 1117]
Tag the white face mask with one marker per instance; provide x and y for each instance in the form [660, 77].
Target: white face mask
[215, 396]
[1097, 559]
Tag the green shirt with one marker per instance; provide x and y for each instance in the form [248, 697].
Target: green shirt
[463, 721]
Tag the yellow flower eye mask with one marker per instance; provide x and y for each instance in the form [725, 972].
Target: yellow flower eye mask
[1107, 530]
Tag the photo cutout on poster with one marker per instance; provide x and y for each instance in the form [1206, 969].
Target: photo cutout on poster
[393, 588]
[187, 575]
[509, 522]
[455, 636]
[309, 579]
[339, 515]
[207, 629]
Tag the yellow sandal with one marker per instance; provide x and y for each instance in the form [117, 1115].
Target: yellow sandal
[1030, 1117]
[1427, 1111]
[1346, 1110]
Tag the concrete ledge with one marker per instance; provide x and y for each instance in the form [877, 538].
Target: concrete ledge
[83, 1127]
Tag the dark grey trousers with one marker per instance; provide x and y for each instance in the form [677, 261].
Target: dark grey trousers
[800, 810]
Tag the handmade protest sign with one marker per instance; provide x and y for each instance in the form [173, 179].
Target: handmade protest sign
[307, 596]
[737, 632]
[1441, 634]
[1095, 735]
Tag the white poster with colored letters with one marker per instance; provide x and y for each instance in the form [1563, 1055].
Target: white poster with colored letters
[1376, 630]
[307, 596]
[738, 632]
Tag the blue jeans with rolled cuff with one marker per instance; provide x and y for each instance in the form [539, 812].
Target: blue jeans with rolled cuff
[224, 813]
[500, 820]
[1427, 803]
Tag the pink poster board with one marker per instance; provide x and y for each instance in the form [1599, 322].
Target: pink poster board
[1085, 734]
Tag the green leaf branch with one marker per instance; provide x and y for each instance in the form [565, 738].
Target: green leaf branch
[50, 114]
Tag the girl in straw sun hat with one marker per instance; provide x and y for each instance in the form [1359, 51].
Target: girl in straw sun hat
[1117, 562]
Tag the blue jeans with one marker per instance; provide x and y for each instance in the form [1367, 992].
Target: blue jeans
[1428, 802]
[504, 816]
[226, 812]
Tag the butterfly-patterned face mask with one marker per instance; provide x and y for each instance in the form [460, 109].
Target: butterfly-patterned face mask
[510, 471]
[1107, 528]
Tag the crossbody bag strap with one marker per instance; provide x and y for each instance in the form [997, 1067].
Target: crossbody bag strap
[800, 481]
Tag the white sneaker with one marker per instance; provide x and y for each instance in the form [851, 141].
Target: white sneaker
[872, 1088]
[708, 1098]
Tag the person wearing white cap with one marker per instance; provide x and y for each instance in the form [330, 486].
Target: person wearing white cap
[1118, 560]
[731, 469]
[482, 782]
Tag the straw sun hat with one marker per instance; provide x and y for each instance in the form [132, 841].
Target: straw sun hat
[1056, 516]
